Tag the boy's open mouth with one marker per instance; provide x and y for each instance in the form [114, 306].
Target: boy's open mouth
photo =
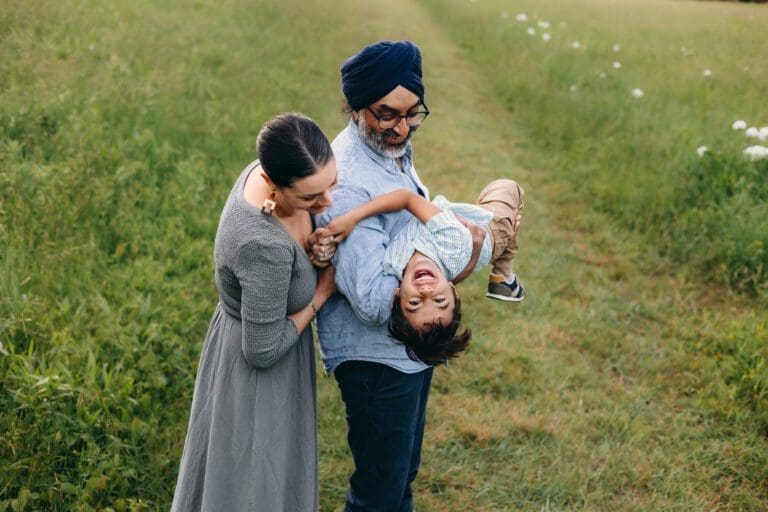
[423, 275]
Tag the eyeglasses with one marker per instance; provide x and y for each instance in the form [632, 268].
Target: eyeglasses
[392, 119]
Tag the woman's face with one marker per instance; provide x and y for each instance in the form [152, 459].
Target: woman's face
[312, 193]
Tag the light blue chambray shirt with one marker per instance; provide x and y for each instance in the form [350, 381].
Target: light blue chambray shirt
[443, 239]
[352, 325]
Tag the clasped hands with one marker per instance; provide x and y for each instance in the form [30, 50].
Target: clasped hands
[322, 247]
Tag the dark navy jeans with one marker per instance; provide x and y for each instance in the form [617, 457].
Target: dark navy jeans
[386, 411]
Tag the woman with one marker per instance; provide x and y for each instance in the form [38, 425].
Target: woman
[251, 442]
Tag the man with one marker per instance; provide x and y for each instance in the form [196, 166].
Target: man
[384, 390]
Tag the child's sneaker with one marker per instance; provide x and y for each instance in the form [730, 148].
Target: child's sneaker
[509, 292]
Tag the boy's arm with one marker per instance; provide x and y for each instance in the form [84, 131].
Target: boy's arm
[400, 199]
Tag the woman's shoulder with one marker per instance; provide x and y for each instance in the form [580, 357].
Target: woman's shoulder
[245, 231]
[261, 231]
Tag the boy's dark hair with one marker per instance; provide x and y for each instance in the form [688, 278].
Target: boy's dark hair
[434, 344]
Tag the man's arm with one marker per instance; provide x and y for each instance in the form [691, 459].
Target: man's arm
[478, 235]
[359, 274]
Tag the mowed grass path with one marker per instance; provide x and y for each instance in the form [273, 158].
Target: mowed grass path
[585, 396]
[598, 392]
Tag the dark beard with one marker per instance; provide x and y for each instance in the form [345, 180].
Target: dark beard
[376, 140]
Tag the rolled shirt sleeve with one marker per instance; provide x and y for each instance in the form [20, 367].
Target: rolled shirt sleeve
[358, 260]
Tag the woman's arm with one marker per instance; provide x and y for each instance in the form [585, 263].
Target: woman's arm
[325, 288]
[400, 199]
[268, 332]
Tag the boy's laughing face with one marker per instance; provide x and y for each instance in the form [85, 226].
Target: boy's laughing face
[426, 295]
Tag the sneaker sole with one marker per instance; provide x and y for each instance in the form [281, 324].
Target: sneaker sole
[505, 298]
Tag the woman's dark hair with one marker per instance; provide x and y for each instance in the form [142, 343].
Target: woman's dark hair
[436, 343]
[290, 147]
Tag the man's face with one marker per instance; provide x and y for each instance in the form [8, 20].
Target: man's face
[389, 142]
[426, 295]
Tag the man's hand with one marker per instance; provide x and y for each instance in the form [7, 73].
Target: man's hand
[478, 235]
[516, 224]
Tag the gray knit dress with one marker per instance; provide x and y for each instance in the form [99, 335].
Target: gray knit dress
[251, 443]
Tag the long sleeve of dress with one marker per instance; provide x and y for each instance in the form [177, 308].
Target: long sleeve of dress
[264, 272]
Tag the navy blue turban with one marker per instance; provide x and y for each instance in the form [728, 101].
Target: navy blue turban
[378, 69]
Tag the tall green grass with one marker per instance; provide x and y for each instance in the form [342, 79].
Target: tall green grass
[700, 68]
[122, 126]
[613, 387]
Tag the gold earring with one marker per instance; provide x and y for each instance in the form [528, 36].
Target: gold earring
[269, 204]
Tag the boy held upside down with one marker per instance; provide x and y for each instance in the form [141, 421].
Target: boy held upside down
[432, 250]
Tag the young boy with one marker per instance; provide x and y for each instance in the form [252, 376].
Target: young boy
[432, 250]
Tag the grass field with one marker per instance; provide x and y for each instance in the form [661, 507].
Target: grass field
[633, 377]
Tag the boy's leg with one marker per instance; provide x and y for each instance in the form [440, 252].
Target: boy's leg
[503, 198]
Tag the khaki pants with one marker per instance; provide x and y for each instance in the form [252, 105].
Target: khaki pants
[503, 198]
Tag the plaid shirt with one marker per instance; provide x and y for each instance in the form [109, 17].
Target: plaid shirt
[443, 239]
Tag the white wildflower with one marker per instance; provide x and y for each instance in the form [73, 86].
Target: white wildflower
[763, 133]
[575, 45]
[739, 125]
[707, 73]
[544, 24]
[616, 47]
[756, 152]
[752, 132]
[531, 31]
[521, 17]
[545, 36]
[616, 64]
[701, 150]
[637, 93]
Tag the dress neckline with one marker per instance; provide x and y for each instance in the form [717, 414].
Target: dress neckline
[244, 203]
